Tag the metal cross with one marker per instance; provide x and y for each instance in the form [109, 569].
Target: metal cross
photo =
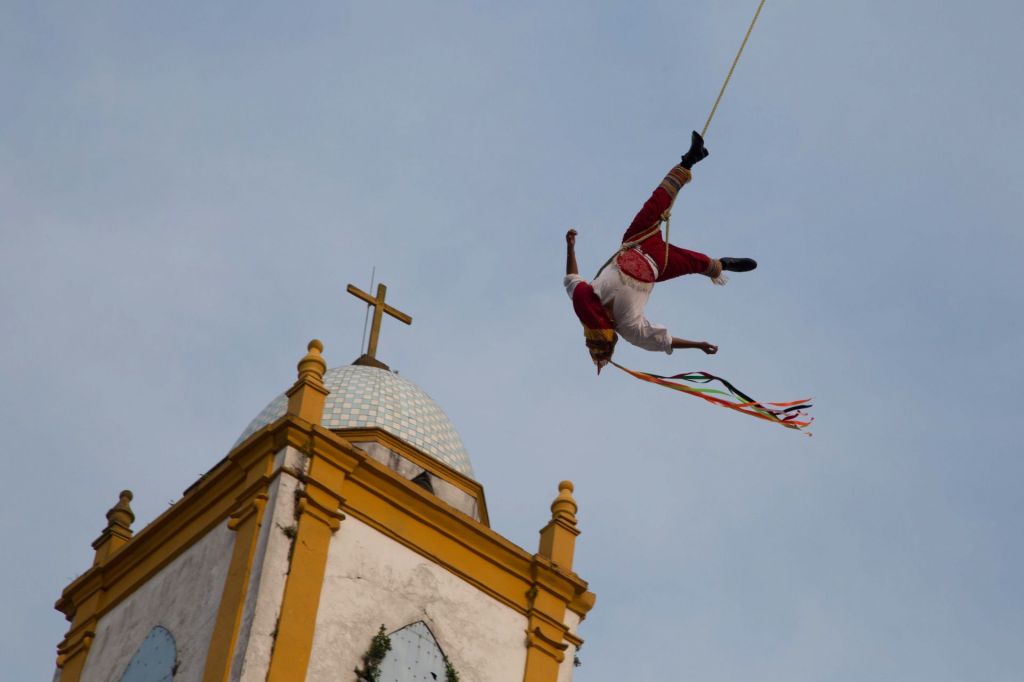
[379, 308]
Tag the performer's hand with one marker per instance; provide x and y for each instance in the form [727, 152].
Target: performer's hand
[708, 348]
[570, 253]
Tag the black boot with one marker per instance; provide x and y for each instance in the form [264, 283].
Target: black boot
[696, 152]
[738, 264]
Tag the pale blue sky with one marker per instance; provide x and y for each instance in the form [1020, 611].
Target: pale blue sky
[186, 189]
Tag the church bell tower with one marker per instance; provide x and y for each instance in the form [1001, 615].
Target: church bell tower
[343, 538]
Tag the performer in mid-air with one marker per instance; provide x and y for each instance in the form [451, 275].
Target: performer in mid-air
[613, 304]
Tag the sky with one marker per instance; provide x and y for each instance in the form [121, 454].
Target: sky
[186, 189]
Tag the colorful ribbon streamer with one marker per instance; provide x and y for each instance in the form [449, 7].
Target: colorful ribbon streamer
[792, 415]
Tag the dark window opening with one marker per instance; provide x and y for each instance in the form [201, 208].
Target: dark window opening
[423, 481]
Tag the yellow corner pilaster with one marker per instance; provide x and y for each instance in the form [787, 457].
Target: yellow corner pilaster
[319, 516]
[73, 652]
[246, 521]
[551, 591]
[544, 655]
[546, 632]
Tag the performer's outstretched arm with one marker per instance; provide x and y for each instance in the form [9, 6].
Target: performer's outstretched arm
[708, 348]
[643, 333]
[570, 253]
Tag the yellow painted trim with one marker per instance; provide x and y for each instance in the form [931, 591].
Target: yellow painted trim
[306, 400]
[544, 655]
[558, 542]
[74, 648]
[318, 518]
[547, 636]
[246, 521]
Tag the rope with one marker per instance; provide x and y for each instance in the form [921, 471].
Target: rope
[732, 68]
[725, 84]
[667, 217]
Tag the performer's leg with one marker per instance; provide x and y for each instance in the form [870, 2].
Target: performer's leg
[660, 201]
[682, 262]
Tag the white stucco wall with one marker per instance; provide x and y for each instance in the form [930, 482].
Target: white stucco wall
[565, 670]
[183, 597]
[269, 573]
[373, 580]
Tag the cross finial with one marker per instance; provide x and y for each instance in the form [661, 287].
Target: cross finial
[379, 308]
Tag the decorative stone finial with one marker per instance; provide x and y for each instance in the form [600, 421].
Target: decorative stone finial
[558, 537]
[313, 365]
[564, 507]
[306, 397]
[121, 514]
[118, 530]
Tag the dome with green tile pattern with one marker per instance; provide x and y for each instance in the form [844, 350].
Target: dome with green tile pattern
[368, 397]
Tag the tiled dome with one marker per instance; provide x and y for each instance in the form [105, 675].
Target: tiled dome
[366, 397]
